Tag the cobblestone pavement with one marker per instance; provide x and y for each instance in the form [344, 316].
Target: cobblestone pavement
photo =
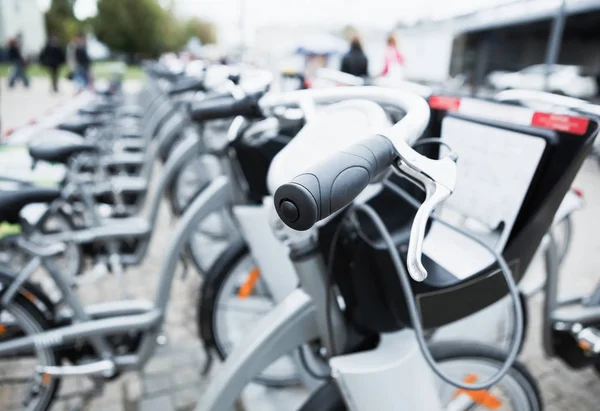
[172, 381]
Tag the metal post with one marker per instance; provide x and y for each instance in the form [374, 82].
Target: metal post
[554, 42]
[242, 24]
[482, 62]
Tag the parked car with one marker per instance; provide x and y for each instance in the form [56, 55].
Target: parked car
[567, 80]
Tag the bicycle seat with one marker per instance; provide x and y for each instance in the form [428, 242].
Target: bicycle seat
[57, 146]
[79, 125]
[98, 107]
[13, 201]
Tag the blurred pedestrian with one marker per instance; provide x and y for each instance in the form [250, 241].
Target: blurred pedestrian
[355, 62]
[81, 76]
[393, 64]
[19, 65]
[53, 57]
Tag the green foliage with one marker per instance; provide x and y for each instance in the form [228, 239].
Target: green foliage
[204, 30]
[139, 28]
[61, 21]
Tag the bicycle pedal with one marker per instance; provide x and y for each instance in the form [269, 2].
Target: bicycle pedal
[104, 368]
[588, 339]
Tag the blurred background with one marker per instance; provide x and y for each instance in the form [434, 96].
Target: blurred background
[475, 46]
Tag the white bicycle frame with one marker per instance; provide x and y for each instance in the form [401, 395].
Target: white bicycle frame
[278, 273]
[367, 378]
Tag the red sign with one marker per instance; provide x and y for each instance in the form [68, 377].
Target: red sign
[560, 122]
[444, 103]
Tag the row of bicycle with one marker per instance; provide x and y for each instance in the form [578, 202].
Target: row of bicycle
[357, 230]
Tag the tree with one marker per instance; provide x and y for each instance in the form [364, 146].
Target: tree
[138, 28]
[61, 21]
[204, 30]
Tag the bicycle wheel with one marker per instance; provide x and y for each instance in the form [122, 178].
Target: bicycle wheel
[70, 262]
[517, 391]
[21, 386]
[562, 236]
[232, 301]
[191, 179]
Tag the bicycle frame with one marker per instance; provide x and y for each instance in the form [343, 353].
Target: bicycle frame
[365, 378]
[97, 322]
[190, 147]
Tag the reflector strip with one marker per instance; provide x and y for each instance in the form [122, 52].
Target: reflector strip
[480, 397]
[444, 103]
[246, 288]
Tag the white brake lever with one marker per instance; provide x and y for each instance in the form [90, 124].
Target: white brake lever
[438, 177]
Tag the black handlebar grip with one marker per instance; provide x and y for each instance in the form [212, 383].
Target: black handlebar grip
[332, 184]
[224, 107]
[186, 84]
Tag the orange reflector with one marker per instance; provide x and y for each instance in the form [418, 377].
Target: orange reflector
[46, 379]
[28, 295]
[2, 329]
[480, 397]
[584, 345]
[248, 286]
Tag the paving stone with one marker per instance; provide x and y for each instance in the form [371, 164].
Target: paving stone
[156, 383]
[186, 397]
[186, 376]
[132, 386]
[157, 365]
[106, 407]
[183, 358]
[160, 403]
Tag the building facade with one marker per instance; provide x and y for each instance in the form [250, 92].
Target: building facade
[22, 17]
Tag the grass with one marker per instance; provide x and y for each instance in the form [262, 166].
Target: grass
[100, 70]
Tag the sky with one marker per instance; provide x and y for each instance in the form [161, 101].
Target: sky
[259, 13]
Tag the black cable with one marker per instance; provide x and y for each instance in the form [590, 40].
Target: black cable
[330, 260]
[412, 305]
[308, 369]
[328, 288]
[430, 140]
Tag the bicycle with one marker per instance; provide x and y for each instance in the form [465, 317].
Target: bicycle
[252, 275]
[302, 317]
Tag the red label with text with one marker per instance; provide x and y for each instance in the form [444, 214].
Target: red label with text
[560, 122]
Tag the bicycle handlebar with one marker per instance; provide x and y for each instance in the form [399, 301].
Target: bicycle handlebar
[224, 107]
[186, 84]
[331, 185]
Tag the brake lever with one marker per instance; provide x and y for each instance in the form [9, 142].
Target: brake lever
[438, 178]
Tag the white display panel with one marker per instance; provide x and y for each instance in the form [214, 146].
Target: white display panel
[494, 172]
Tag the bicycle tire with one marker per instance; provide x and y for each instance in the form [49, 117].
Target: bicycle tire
[36, 319]
[216, 277]
[329, 398]
[177, 204]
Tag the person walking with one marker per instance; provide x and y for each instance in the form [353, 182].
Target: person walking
[19, 65]
[53, 57]
[355, 62]
[394, 61]
[82, 63]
